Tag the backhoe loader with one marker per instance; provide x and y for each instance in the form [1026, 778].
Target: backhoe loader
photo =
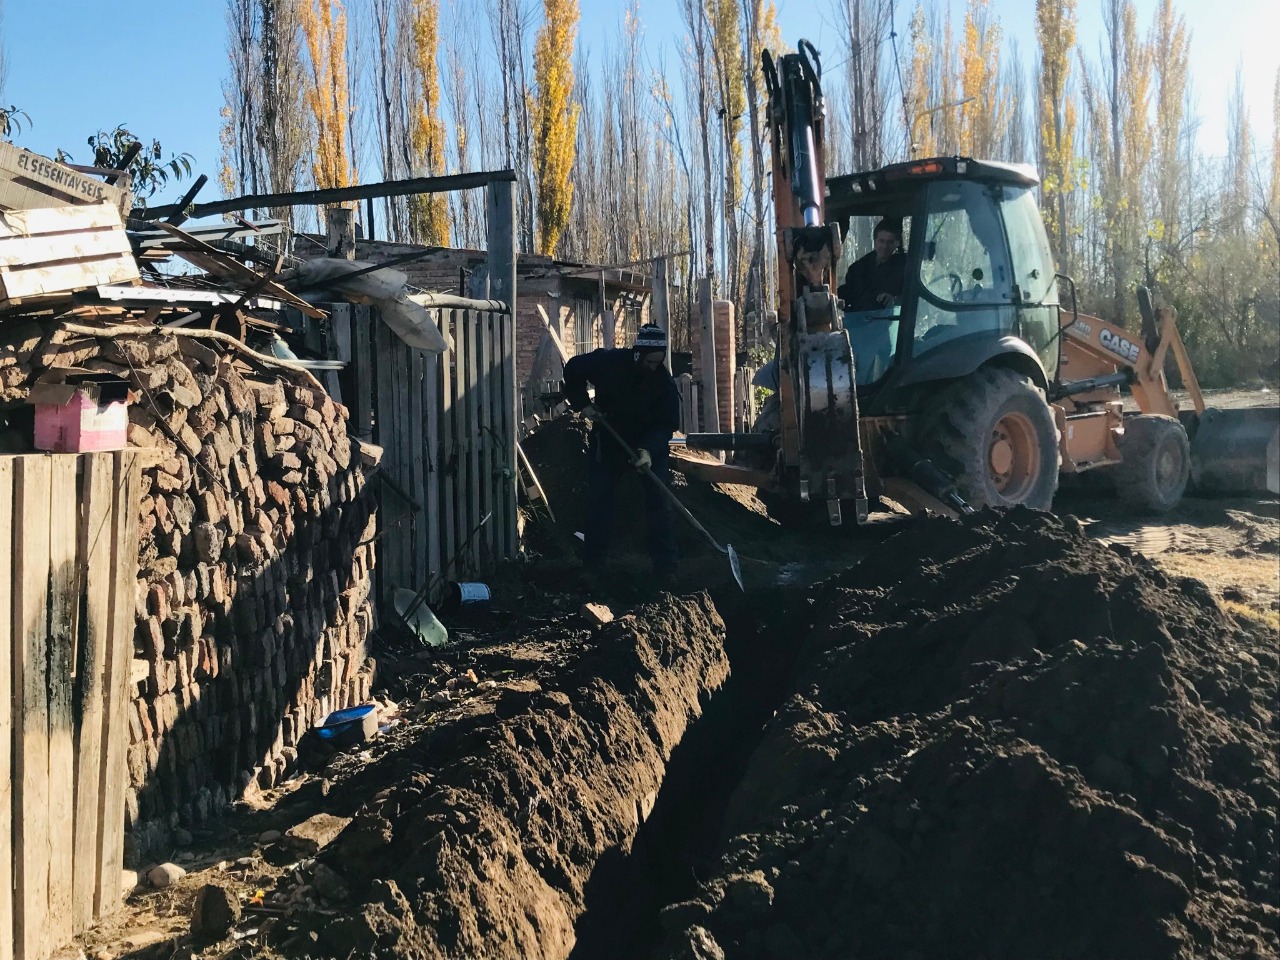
[979, 385]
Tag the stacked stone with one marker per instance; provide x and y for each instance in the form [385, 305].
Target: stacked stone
[253, 598]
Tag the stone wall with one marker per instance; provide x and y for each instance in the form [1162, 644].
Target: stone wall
[253, 609]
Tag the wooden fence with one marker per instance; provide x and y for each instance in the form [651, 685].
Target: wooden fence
[744, 402]
[68, 577]
[447, 426]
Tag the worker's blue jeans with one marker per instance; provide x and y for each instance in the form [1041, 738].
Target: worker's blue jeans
[602, 482]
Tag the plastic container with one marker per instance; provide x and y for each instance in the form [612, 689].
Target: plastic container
[350, 726]
[423, 622]
[464, 597]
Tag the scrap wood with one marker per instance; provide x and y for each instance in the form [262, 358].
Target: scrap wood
[215, 261]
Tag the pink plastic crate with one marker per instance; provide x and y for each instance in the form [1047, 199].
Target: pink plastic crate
[82, 424]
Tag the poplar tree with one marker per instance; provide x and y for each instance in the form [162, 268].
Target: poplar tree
[1056, 36]
[984, 112]
[324, 24]
[555, 120]
[731, 105]
[1170, 65]
[428, 212]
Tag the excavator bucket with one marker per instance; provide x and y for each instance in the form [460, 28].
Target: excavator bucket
[1237, 451]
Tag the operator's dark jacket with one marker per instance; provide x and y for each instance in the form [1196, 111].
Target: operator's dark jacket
[867, 279]
[645, 410]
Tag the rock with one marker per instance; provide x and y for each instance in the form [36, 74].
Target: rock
[269, 836]
[675, 917]
[750, 892]
[165, 875]
[329, 884]
[695, 943]
[215, 911]
[597, 614]
[315, 833]
[182, 838]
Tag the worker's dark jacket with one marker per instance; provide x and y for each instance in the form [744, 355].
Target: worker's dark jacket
[644, 408]
[867, 279]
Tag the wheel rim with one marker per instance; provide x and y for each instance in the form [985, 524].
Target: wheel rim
[1168, 468]
[1013, 456]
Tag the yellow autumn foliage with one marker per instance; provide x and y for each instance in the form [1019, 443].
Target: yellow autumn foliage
[555, 120]
[324, 26]
[428, 212]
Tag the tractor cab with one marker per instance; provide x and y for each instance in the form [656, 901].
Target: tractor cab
[977, 276]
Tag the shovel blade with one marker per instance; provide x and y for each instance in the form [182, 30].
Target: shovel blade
[735, 566]
[1237, 451]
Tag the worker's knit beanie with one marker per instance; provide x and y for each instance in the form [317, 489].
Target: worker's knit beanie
[649, 338]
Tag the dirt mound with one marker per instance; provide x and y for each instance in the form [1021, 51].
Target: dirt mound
[499, 812]
[1010, 742]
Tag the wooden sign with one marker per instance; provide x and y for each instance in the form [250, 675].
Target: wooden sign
[30, 181]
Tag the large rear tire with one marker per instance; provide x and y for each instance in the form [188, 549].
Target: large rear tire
[1155, 463]
[995, 434]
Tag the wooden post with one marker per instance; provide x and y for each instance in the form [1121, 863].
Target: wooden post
[707, 348]
[501, 206]
[64, 616]
[6, 705]
[341, 225]
[115, 731]
[660, 302]
[96, 547]
[31, 503]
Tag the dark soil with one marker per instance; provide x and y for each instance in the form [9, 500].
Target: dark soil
[493, 819]
[1006, 741]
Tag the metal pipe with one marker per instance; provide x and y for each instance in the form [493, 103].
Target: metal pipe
[728, 441]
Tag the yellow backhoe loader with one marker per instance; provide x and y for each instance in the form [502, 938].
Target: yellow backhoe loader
[978, 385]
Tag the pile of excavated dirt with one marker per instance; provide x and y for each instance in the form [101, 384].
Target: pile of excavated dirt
[1006, 741]
[486, 825]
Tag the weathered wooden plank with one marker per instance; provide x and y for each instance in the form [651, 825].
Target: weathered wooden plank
[485, 434]
[64, 615]
[97, 544]
[7, 824]
[501, 424]
[31, 706]
[417, 439]
[391, 508]
[474, 479]
[362, 363]
[431, 411]
[62, 219]
[40, 279]
[115, 731]
[511, 539]
[404, 458]
[448, 446]
[89, 244]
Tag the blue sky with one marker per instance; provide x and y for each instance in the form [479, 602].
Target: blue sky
[157, 65]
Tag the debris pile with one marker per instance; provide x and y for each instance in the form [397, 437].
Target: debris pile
[255, 554]
[1006, 741]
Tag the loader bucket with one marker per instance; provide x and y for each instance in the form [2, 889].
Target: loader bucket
[1237, 451]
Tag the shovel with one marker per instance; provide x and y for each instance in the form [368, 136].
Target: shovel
[727, 549]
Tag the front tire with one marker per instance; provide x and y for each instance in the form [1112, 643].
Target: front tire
[1155, 463]
[995, 434]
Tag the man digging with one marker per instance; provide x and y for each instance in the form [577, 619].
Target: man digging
[635, 392]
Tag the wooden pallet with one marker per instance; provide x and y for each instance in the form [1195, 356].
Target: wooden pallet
[29, 181]
[59, 250]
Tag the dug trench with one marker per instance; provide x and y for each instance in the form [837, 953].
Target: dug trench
[997, 739]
